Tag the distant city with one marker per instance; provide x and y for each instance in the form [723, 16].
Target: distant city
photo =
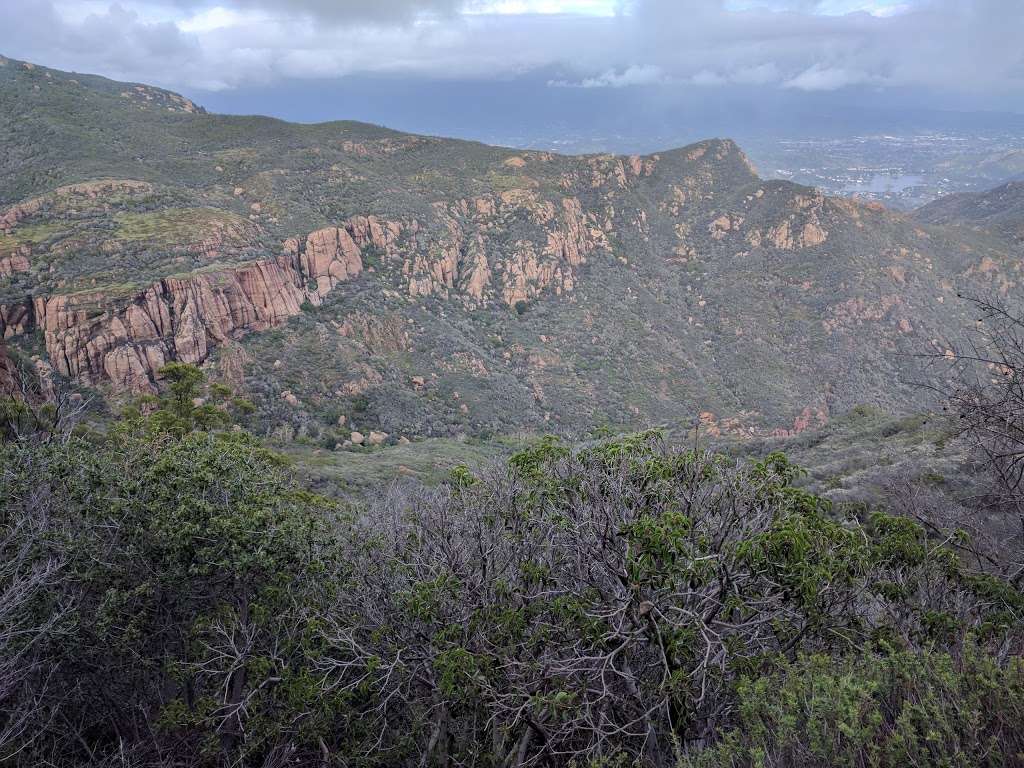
[902, 171]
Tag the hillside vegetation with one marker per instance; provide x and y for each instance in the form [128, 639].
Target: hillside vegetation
[170, 595]
[351, 278]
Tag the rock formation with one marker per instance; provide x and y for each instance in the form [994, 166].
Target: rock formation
[88, 190]
[95, 339]
[17, 262]
[462, 257]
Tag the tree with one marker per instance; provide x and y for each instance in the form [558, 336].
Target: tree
[988, 401]
[164, 594]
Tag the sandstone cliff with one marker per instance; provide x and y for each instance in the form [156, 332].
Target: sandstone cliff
[96, 339]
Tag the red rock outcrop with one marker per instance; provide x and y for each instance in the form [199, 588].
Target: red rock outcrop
[17, 262]
[95, 339]
[802, 229]
[461, 258]
[15, 319]
[334, 254]
[809, 417]
[89, 189]
[327, 257]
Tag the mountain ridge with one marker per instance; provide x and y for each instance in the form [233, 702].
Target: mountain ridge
[999, 210]
[424, 286]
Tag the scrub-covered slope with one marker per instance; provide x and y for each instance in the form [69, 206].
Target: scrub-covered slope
[345, 276]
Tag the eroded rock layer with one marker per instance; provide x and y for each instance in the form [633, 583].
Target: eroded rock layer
[95, 339]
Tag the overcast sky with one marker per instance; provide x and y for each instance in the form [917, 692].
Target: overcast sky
[943, 54]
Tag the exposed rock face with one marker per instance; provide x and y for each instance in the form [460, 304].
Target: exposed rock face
[332, 255]
[327, 257]
[801, 229]
[15, 319]
[94, 339]
[463, 259]
[619, 171]
[90, 190]
[17, 262]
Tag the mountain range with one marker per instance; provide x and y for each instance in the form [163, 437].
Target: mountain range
[354, 281]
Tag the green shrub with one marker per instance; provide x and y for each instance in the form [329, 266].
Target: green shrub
[883, 710]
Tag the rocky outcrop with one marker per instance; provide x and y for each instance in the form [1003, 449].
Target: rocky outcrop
[468, 256]
[618, 171]
[810, 417]
[15, 319]
[93, 341]
[89, 190]
[96, 339]
[332, 255]
[327, 257]
[16, 262]
[803, 228]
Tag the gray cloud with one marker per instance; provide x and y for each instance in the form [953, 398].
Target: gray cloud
[342, 11]
[114, 41]
[966, 46]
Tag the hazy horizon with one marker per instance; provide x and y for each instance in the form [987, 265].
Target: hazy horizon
[616, 75]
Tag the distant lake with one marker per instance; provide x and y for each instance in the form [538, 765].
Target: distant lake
[883, 184]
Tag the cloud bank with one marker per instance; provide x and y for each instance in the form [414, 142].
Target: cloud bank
[794, 45]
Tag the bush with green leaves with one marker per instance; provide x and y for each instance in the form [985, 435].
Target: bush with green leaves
[170, 595]
[883, 710]
[177, 579]
[605, 603]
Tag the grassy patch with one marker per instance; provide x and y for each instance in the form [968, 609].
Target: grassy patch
[174, 226]
[426, 460]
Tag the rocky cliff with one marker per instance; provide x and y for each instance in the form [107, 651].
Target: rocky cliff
[95, 338]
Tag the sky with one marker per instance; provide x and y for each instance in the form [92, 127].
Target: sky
[528, 65]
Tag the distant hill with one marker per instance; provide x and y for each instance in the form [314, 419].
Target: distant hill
[348, 277]
[999, 210]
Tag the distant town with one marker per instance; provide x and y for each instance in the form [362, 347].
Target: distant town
[902, 171]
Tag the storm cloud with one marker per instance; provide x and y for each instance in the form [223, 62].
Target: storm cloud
[946, 46]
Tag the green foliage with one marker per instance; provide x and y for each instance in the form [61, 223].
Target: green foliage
[187, 405]
[611, 604]
[18, 417]
[878, 710]
[193, 568]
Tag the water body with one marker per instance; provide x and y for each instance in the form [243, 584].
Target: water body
[883, 184]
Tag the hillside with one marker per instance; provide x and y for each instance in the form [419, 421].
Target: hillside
[999, 210]
[348, 277]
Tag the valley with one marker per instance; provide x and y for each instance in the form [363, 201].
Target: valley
[347, 278]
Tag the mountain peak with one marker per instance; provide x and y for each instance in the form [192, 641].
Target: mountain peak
[140, 95]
